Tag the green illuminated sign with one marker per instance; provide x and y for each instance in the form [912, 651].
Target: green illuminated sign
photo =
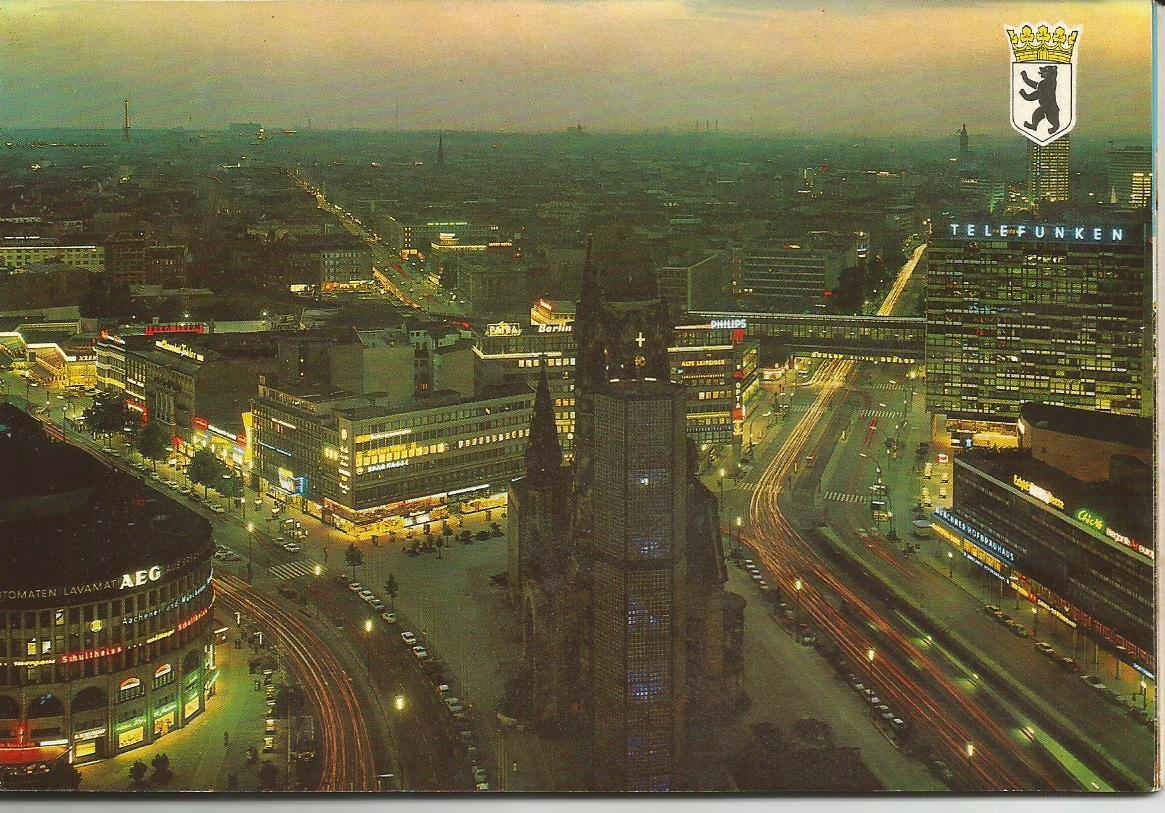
[139, 720]
[1090, 519]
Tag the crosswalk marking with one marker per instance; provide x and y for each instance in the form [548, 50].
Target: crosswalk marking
[880, 413]
[291, 570]
[841, 496]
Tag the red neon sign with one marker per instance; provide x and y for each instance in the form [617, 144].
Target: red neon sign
[90, 654]
[192, 619]
[185, 327]
[201, 423]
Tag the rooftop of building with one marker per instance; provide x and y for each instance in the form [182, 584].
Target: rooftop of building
[1126, 509]
[67, 517]
[432, 400]
[640, 388]
[1128, 430]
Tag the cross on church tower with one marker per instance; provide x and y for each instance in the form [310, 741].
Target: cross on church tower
[639, 340]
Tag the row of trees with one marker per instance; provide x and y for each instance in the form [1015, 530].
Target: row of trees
[354, 558]
[108, 416]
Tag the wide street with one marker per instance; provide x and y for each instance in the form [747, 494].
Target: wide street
[825, 462]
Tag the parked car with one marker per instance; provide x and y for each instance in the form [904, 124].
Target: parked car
[291, 547]
[355, 587]
[1094, 682]
[420, 652]
[991, 609]
[408, 638]
[1068, 664]
[1045, 649]
[365, 594]
[376, 604]
[388, 618]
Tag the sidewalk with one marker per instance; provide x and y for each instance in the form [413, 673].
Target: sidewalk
[198, 759]
[804, 685]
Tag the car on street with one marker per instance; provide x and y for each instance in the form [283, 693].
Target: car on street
[479, 775]
[481, 535]
[1017, 629]
[366, 594]
[1045, 649]
[388, 618]
[420, 652]
[991, 609]
[1068, 664]
[1002, 617]
[408, 638]
[355, 587]
[218, 509]
[376, 604]
[941, 770]
[292, 547]
[1094, 682]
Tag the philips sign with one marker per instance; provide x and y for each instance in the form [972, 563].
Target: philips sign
[730, 324]
[1041, 233]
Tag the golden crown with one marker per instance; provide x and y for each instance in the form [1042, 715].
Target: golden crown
[1043, 44]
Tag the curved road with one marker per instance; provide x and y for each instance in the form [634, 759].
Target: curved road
[984, 754]
[348, 762]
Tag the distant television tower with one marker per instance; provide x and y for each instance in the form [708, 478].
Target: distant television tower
[125, 127]
[440, 148]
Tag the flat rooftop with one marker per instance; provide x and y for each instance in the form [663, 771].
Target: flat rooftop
[66, 516]
[1126, 511]
[1127, 430]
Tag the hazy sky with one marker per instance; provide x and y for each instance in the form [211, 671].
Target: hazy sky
[875, 66]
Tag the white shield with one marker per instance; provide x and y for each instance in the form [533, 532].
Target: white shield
[1043, 100]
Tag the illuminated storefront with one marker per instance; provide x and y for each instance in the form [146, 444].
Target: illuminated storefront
[142, 630]
[1047, 538]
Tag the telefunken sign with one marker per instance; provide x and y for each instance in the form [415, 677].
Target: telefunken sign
[1040, 232]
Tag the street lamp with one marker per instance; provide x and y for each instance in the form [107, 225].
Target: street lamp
[368, 645]
[970, 750]
[797, 585]
[398, 702]
[1035, 621]
[870, 654]
[250, 548]
[1144, 696]
[951, 563]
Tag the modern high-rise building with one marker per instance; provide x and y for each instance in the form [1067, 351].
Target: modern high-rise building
[964, 142]
[1130, 176]
[1020, 312]
[1048, 171]
[794, 276]
[639, 545]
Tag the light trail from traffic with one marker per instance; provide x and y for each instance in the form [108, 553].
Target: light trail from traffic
[348, 762]
[990, 756]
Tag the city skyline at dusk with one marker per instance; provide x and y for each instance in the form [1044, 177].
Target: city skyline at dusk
[877, 68]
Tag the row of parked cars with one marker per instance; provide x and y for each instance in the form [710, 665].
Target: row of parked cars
[879, 708]
[1069, 664]
[1017, 629]
[457, 710]
[368, 597]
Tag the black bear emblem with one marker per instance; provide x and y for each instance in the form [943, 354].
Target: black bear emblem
[1044, 92]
